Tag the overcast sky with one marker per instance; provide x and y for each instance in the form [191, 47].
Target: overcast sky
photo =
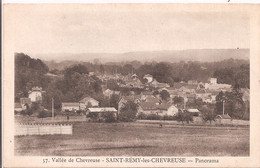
[40, 29]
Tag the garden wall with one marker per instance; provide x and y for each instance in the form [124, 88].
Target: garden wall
[43, 129]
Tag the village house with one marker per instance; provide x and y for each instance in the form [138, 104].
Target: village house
[148, 77]
[191, 97]
[157, 84]
[88, 102]
[212, 96]
[70, 106]
[212, 80]
[185, 87]
[91, 73]
[160, 109]
[145, 94]
[192, 82]
[131, 81]
[173, 92]
[36, 94]
[51, 75]
[194, 112]
[202, 94]
[108, 93]
[188, 88]
[223, 119]
[134, 77]
[213, 85]
[124, 99]
[196, 115]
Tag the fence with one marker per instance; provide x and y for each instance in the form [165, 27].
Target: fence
[43, 129]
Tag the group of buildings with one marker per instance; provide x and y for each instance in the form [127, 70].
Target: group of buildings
[34, 95]
[148, 101]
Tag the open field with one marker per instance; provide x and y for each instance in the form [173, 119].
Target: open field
[136, 139]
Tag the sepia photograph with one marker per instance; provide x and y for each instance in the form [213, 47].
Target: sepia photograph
[129, 80]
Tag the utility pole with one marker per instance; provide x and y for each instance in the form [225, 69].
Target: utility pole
[52, 109]
[223, 107]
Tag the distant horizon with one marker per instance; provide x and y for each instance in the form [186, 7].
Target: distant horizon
[120, 57]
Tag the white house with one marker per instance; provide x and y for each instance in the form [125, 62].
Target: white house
[70, 106]
[88, 102]
[134, 77]
[148, 77]
[35, 94]
[109, 93]
[172, 111]
[160, 109]
[194, 112]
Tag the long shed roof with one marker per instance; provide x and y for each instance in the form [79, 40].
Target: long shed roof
[102, 109]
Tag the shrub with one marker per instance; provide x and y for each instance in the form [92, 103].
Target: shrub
[93, 116]
[153, 117]
[128, 112]
[42, 114]
[109, 117]
[142, 116]
[185, 116]
[166, 117]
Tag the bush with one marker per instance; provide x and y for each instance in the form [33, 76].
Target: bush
[185, 116]
[109, 117]
[166, 117]
[42, 114]
[142, 116]
[128, 112]
[27, 112]
[153, 117]
[93, 116]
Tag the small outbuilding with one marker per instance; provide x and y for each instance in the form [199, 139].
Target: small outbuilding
[194, 112]
[70, 106]
[223, 119]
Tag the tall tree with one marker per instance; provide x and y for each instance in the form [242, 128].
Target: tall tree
[232, 102]
[128, 112]
[165, 95]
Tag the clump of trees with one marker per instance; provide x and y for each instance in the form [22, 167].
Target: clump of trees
[179, 101]
[165, 95]
[234, 76]
[42, 114]
[128, 112]
[29, 72]
[143, 116]
[184, 117]
[208, 113]
[109, 117]
[233, 104]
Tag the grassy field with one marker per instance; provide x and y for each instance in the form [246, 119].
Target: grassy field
[133, 139]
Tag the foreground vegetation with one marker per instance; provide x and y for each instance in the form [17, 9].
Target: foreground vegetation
[135, 139]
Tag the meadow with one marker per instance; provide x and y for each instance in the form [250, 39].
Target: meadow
[137, 139]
